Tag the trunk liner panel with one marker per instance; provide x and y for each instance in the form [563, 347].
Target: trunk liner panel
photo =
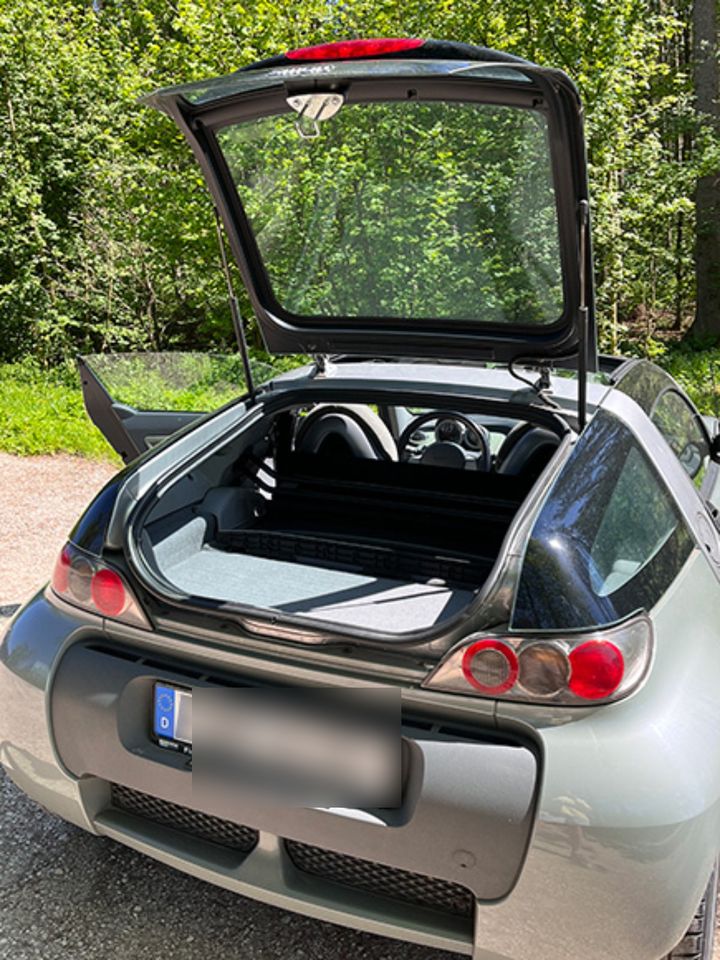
[389, 559]
[371, 602]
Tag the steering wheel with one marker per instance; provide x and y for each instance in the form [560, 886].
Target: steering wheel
[479, 433]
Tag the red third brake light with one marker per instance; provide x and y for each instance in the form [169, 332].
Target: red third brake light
[354, 49]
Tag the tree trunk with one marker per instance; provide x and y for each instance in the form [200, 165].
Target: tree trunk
[707, 195]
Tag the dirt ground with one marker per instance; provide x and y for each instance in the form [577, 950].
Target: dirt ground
[40, 500]
[62, 891]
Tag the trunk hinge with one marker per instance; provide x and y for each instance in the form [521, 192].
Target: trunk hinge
[237, 320]
[583, 313]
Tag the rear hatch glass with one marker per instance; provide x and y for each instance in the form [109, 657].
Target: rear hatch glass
[401, 208]
[404, 210]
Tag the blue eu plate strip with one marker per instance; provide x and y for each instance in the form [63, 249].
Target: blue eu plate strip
[164, 723]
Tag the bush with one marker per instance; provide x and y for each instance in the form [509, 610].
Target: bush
[698, 373]
[108, 238]
[43, 412]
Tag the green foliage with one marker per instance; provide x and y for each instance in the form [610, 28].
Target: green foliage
[108, 239]
[698, 373]
[178, 380]
[416, 210]
[43, 412]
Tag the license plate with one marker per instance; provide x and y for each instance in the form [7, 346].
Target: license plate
[319, 747]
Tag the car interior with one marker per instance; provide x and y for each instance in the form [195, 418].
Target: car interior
[379, 519]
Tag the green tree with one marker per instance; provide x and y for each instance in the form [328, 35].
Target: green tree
[108, 240]
[706, 51]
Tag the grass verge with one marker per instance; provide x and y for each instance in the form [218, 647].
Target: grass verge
[698, 373]
[43, 412]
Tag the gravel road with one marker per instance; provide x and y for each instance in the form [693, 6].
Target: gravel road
[66, 895]
[40, 500]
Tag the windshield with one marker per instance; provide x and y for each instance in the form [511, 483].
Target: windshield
[404, 210]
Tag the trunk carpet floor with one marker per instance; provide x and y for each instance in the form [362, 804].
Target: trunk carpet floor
[339, 596]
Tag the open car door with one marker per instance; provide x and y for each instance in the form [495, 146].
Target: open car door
[138, 399]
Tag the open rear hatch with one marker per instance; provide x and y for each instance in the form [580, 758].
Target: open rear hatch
[401, 198]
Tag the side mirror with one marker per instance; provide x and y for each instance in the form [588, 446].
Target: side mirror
[715, 448]
[692, 457]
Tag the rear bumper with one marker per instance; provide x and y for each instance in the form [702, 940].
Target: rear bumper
[594, 881]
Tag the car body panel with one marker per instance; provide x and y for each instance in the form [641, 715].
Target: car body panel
[98, 718]
[647, 766]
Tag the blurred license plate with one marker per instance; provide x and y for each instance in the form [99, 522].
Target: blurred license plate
[318, 747]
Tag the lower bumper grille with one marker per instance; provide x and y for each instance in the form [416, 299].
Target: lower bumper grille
[390, 882]
[200, 825]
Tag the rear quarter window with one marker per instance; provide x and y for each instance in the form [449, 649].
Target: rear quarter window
[609, 539]
[672, 413]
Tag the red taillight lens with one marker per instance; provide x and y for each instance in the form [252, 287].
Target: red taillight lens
[354, 49]
[108, 593]
[567, 670]
[490, 666]
[596, 670]
[61, 573]
[87, 582]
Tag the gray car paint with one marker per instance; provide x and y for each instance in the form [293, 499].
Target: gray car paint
[628, 822]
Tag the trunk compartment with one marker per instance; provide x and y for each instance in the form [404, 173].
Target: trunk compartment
[372, 545]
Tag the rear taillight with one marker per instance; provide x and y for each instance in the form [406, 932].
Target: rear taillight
[355, 49]
[597, 669]
[490, 666]
[87, 582]
[572, 669]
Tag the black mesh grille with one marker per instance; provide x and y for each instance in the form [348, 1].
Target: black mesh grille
[200, 825]
[386, 881]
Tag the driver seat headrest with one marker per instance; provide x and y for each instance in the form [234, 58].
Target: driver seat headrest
[526, 444]
[350, 430]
